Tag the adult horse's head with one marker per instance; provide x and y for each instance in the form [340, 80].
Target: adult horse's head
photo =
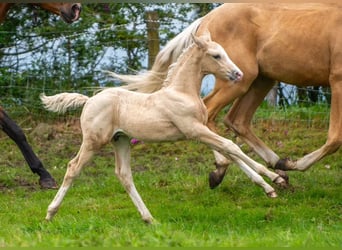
[216, 59]
[69, 12]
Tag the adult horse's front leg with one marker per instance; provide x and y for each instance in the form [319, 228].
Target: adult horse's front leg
[18, 136]
[223, 94]
[334, 140]
[240, 116]
[124, 173]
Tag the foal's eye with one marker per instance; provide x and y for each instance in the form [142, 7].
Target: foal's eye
[217, 57]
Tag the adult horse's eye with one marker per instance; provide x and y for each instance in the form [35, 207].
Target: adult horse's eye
[217, 57]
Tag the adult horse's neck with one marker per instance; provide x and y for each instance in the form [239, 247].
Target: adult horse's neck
[185, 74]
[4, 7]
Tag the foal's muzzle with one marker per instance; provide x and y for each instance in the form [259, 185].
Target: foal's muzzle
[235, 75]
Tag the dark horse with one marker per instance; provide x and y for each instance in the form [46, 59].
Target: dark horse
[69, 12]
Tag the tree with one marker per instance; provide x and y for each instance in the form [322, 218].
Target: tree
[41, 53]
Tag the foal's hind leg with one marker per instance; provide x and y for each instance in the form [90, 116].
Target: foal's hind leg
[18, 136]
[74, 168]
[124, 173]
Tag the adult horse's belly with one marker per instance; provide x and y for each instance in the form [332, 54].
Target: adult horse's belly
[296, 51]
[296, 66]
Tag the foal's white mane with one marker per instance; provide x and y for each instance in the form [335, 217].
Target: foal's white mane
[173, 66]
[160, 69]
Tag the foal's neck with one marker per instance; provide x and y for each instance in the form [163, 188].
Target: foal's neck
[186, 75]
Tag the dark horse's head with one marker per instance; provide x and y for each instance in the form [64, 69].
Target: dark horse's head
[69, 12]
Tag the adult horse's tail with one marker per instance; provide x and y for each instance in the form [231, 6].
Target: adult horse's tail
[153, 79]
[60, 103]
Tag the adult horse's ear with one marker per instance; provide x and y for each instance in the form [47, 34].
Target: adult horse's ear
[199, 41]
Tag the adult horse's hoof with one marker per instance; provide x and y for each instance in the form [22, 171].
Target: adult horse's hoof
[48, 183]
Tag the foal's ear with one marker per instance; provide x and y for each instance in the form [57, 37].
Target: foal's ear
[206, 35]
[200, 41]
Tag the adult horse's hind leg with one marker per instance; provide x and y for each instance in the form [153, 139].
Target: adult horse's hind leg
[334, 140]
[74, 168]
[123, 171]
[18, 136]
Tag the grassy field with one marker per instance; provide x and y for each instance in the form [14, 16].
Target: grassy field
[172, 180]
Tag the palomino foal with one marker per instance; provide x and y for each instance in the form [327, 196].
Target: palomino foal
[173, 113]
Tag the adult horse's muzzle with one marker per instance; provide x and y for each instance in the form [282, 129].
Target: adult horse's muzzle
[73, 14]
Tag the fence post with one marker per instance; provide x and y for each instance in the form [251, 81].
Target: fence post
[152, 23]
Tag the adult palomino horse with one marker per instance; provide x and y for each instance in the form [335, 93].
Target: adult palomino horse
[69, 12]
[295, 43]
[173, 113]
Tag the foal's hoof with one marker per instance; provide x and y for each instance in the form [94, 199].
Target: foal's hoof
[216, 176]
[272, 194]
[48, 183]
[283, 175]
[214, 179]
[281, 182]
[150, 220]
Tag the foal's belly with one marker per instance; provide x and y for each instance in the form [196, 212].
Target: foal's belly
[154, 131]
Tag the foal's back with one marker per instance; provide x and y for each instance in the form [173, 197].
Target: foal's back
[139, 115]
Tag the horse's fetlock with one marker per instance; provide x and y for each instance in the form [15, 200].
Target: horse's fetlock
[284, 164]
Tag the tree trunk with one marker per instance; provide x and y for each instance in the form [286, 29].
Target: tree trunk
[152, 23]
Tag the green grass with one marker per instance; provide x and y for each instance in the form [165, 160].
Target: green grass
[172, 180]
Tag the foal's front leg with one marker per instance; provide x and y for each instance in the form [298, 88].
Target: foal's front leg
[123, 171]
[229, 149]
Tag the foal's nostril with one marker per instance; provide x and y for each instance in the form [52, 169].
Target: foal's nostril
[238, 75]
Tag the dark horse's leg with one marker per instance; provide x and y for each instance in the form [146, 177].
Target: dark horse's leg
[17, 135]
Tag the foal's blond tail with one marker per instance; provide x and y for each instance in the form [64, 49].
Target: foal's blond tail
[60, 103]
[152, 80]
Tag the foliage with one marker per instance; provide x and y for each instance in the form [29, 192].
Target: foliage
[47, 53]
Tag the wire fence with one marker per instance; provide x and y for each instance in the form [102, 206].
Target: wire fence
[293, 110]
[20, 88]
